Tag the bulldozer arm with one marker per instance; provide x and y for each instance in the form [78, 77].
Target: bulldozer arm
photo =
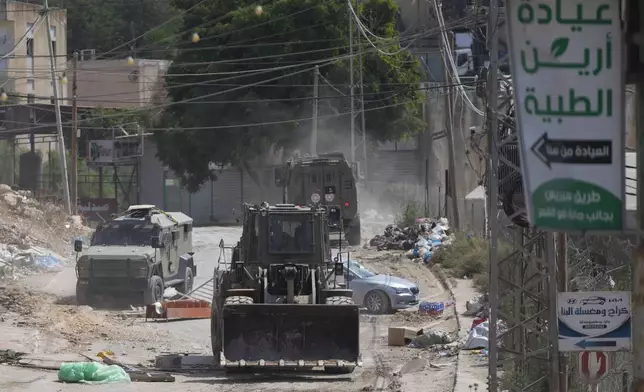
[290, 335]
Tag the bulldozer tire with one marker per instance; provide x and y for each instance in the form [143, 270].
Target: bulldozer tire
[215, 332]
[154, 292]
[83, 295]
[238, 300]
[339, 301]
[340, 370]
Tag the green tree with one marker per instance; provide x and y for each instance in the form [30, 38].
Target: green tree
[105, 25]
[233, 36]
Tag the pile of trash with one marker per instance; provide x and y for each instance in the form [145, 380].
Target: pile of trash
[16, 262]
[419, 240]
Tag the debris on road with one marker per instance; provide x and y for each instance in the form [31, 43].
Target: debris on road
[10, 356]
[419, 240]
[431, 338]
[477, 306]
[33, 234]
[92, 373]
[402, 336]
[178, 362]
[183, 309]
[16, 262]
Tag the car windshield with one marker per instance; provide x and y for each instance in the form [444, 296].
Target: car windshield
[360, 270]
[125, 234]
[291, 234]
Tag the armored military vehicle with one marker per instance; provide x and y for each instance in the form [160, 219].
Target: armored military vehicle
[329, 180]
[275, 307]
[139, 253]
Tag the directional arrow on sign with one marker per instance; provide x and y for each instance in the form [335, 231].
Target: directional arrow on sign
[568, 151]
[586, 344]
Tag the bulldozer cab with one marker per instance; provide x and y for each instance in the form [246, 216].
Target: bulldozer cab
[283, 233]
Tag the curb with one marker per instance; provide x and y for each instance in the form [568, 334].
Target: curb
[444, 281]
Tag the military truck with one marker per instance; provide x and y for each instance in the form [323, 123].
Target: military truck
[325, 179]
[274, 307]
[138, 253]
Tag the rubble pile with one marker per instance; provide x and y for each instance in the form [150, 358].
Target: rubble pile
[33, 234]
[420, 240]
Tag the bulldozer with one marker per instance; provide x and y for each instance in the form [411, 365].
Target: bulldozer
[275, 305]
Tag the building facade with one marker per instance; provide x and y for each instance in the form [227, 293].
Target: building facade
[25, 71]
[118, 83]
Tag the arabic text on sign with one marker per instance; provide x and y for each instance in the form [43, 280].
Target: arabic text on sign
[570, 214]
[580, 311]
[544, 14]
[578, 198]
[577, 105]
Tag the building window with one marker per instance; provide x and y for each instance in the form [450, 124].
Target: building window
[52, 100]
[53, 47]
[30, 47]
[31, 86]
[31, 98]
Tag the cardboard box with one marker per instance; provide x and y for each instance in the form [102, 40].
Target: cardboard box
[402, 336]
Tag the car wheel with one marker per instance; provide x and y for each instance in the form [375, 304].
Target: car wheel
[154, 293]
[188, 283]
[377, 302]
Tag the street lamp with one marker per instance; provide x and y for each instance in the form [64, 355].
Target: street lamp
[3, 96]
[195, 38]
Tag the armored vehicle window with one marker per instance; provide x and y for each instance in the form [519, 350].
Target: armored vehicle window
[125, 234]
[290, 234]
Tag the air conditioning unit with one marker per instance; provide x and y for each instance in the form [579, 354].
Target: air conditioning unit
[87, 54]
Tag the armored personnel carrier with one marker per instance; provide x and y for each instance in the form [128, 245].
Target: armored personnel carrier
[274, 307]
[139, 254]
[328, 180]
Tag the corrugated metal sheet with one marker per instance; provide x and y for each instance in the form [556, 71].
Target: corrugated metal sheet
[394, 166]
[227, 196]
[267, 192]
[151, 176]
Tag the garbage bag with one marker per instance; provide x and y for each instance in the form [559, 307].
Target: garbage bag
[91, 373]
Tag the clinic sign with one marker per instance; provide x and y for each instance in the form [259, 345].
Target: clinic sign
[569, 93]
[594, 321]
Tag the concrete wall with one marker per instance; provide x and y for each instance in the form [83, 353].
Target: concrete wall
[117, 84]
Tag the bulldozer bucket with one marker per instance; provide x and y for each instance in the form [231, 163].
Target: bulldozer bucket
[290, 335]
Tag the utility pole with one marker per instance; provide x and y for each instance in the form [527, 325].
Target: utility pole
[362, 118]
[638, 264]
[635, 25]
[74, 135]
[493, 188]
[562, 283]
[314, 129]
[59, 123]
[353, 85]
[449, 127]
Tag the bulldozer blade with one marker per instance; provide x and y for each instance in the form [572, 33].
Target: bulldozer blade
[306, 335]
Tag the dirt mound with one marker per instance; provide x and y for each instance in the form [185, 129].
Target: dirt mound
[26, 222]
[76, 324]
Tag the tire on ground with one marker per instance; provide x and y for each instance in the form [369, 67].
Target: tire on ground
[384, 299]
[83, 296]
[154, 292]
[339, 301]
[238, 300]
[188, 283]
